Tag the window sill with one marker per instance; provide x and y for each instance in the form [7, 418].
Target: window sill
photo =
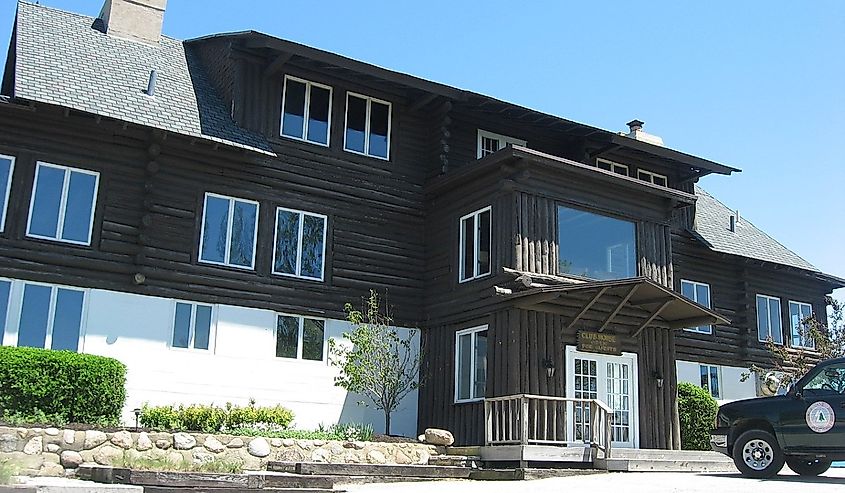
[469, 401]
[368, 155]
[469, 279]
[284, 137]
[301, 278]
[229, 266]
[58, 240]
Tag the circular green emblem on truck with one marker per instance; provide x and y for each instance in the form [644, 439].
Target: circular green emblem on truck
[820, 417]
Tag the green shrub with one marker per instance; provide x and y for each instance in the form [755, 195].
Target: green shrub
[63, 386]
[344, 432]
[697, 410]
[214, 419]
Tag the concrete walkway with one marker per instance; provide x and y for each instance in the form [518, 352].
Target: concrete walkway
[65, 485]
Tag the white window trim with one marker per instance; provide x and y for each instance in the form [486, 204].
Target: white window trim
[768, 315]
[13, 317]
[709, 382]
[212, 330]
[227, 252]
[370, 100]
[651, 175]
[5, 205]
[504, 140]
[476, 246]
[792, 333]
[472, 331]
[300, 340]
[613, 165]
[306, 113]
[302, 215]
[63, 203]
[695, 284]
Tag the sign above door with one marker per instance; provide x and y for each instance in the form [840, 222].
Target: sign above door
[598, 342]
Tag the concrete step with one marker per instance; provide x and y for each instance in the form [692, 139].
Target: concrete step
[627, 453]
[520, 474]
[371, 470]
[665, 465]
[454, 460]
[66, 485]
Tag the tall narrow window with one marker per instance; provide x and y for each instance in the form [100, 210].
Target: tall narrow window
[7, 168]
[300, 338]
[769, 323]
[488, 142]
[367, 126]
[192, 326]
[710, 380]
[229, 231]
[62, 205]
[474, 261]
[5, 294]
[51, 317]
[798, 313]
[300, 244]
[471, 364]
[306, 111]
[700, 293]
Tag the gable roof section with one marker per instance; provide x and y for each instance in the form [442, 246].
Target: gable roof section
[61, 58]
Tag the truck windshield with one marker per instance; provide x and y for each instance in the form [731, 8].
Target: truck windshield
[830, 380]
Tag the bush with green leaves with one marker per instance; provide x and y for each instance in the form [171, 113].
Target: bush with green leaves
[697, 411]
[60, 386]
[213, 419]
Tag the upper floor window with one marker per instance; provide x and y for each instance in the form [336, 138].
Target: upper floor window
[367, 126]
[488, 142]
[619, 169]
[798, 313]
[300, 338]
[50, 317]
[471, 364]
[62, 204]
[474, 258]
[300, 244]
[700, 293]
[229, 231]
[192, 326]
[595, 246]
[710, 380]
[651, 177]
[7, 168]
[306, 111]
[768, 319]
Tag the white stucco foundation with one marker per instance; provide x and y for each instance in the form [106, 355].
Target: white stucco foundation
[730, 380]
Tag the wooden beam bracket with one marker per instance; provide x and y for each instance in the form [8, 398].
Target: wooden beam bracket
[276, 65]
[586, 307]
[618, 308]
[650, 319]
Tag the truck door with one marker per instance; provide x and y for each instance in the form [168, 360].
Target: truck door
[815, 418]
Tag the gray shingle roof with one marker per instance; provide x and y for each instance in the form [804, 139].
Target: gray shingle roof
[712, 223]
[62, 59]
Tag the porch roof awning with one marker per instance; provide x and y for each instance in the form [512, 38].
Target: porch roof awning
[657, 303]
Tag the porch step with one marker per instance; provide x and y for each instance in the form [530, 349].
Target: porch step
[520, 474]
[454, 460]
[371, 470]
[631, 453]
[665, 465]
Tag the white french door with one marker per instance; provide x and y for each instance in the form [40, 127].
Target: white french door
[611, 379]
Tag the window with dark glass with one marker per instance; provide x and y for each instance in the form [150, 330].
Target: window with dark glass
[489, 142]
[471, 364]
[367, 126]
[710, 379]
[652, 177]
[595, 246]
[700, 293]
[229, 230]
[62, 204]
[192, 326]
[619, 169]
[300, 244]
[5, 294]
[769, 324]
[7, 168]
[474, 260]
[300, 338]
[306, 111]
[798, 313]
[51, 317]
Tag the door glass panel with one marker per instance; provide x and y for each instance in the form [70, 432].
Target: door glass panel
[35, 315]
[586, 387]
[480, 369]
[618, 399]
[465, 366]
[44, 219]
[67, 319]
[80, 207]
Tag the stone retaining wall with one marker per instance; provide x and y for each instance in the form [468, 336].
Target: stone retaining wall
[56, 452]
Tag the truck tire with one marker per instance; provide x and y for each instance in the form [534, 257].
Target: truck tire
[808, 466]
[757, 454]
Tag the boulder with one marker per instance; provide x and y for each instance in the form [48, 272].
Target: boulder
[144, 443]
[35, 445]
[107, 455]
[122, 439]
[376, 457]
[70, 459]
[183, 441]
[8, 443]
[213, 444]
[94, 438]
[436, 436]
[69, 437]
[258, 447]
[236, 442]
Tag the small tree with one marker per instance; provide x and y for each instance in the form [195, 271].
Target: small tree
[376, 362]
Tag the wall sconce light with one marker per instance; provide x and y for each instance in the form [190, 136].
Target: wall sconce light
[657, 376]
[137, 412]
[549, 365]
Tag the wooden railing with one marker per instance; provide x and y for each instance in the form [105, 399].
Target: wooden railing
[544, 420]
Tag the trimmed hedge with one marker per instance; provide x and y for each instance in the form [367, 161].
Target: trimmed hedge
[697, 410]
[63, 385]
[213, 419]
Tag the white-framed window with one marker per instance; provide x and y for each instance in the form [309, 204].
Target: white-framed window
[700, 293]
[471, 364]
[7, 169]
[5, 298]
[368, 123]
[229, 231]
[300, 338]
[619, 169]
[710, 380]
[798, 313]
[306, 111]
[50, 317]
[193, 326]
[62, 204]
[652, 177]
[769, 324]
[474, 256]
[488, 142]
[299, 246]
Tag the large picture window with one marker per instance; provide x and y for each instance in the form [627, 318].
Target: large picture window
[306, 111]
[51, 317]
[471, 364]
[300, 244]
[62, 205]
[300, 338]
[595, 246]
[192, 326]
[474, 261]
[700, 293]
[769, 324]
[798, 313]
[229, 231]
[367, 126]
[7, 168]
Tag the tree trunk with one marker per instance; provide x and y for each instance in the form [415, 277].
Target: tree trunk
[387, 422]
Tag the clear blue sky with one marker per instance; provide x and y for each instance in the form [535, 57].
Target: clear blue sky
[758, 85]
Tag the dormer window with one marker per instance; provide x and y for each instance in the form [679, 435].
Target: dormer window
[651, 177]
[367, 126]
[306, 111]
[488, 142]
[619, 169]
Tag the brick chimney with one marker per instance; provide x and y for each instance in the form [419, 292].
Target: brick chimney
[136, 20]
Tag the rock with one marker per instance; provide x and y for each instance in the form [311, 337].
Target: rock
[321, 455]
[51, 469]
[107, 455]
[70, 459]
[290, 455]
[421, 438]
[376, 457]
[423, 457]
[236, 442]
[258, 447]
[288, 442]
[276, 442]
[22, 432]
[122, 439]
[401, 458]
[94, 438]
[35, 445]
[163, 444]
[8, 443]
[213, 444]
[144, 443]
[52, 447]
[52, 431]
[69, 437]
[183, 441]
[201, 457]
[436, 436]
[319, 443]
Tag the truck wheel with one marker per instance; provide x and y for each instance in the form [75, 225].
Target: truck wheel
[757, 454]
[807, 466]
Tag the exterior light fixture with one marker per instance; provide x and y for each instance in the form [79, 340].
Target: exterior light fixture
[549, 365]
[657, 376]
[137, 412]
